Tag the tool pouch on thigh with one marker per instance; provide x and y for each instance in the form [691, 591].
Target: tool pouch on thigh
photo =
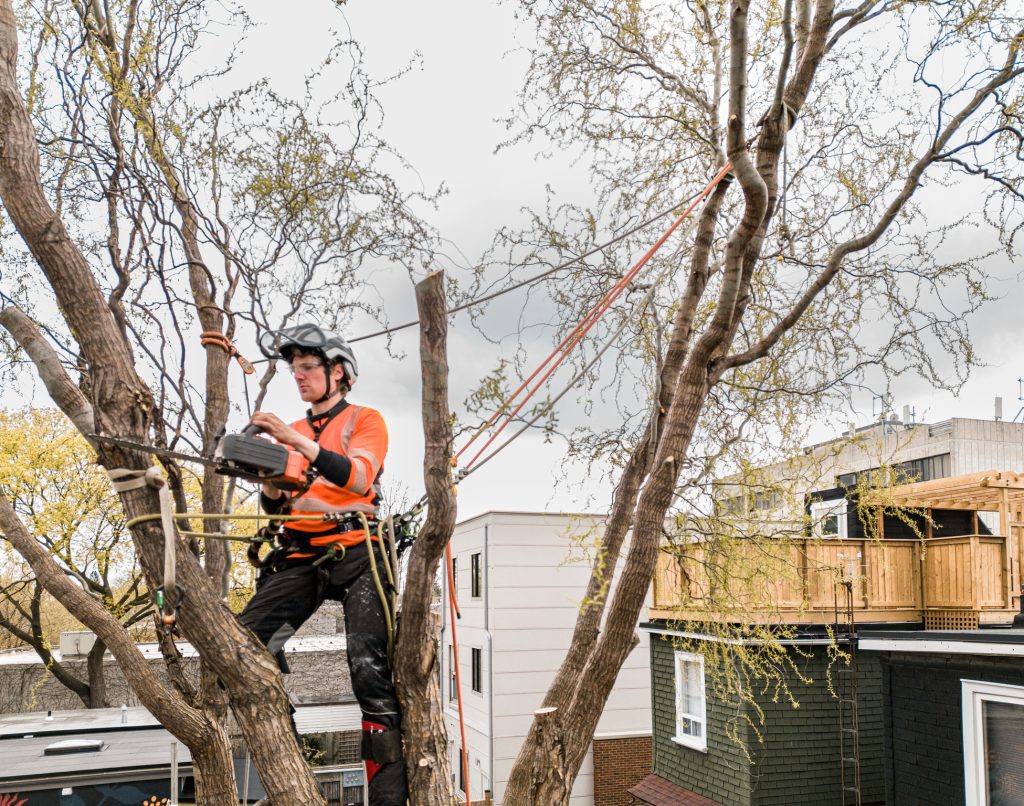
[382, 745]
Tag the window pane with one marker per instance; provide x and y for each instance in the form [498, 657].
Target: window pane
[1004, 752]
[690, 727]
[690, 694]
[477, 676]
[475, 576]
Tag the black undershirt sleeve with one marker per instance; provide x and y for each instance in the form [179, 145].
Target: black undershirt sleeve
[335, 467]
[272, 505]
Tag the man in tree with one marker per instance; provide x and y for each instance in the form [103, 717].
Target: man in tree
[345, 446]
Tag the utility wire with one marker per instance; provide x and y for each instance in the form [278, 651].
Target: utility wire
[579, 376]
[541, 276]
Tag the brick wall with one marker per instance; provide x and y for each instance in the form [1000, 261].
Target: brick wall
[923, 729]
[797, 761]
[618, 765]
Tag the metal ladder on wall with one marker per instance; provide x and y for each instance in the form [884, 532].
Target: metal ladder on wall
[846, 689]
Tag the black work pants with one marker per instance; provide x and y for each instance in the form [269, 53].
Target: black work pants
[285, 598]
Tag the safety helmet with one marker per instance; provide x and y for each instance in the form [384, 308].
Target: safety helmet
[309, 338]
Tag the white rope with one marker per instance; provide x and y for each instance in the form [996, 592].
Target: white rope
[125, 480]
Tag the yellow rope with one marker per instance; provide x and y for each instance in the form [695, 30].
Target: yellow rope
[224, 516]
[388, 622]
[216, 536]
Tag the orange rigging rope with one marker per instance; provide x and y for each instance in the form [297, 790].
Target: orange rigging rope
[576, 336]
[452, 609]
[561, 351]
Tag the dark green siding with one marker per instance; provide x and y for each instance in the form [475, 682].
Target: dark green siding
[924, 730]
[723, 772]
[796, 764]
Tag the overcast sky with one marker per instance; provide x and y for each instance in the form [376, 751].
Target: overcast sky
[441, 117]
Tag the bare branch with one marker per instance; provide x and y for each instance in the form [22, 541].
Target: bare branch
[62, 390]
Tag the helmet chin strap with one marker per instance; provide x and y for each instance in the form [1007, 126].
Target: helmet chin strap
[327, 375]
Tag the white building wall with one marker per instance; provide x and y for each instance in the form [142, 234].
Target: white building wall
[536, 571]
[978, 445]
[973, 446]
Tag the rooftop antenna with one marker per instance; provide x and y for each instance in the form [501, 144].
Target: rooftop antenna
[909, 415]
[878, 411]
[1020, 399]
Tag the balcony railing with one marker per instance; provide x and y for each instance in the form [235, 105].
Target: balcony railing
[961, 581]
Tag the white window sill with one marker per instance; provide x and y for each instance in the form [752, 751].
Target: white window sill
[693, 744]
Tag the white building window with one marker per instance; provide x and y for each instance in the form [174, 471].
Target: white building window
[477, 666]
[691, 703]
[828, 518]
[475, 576]
[993, 720]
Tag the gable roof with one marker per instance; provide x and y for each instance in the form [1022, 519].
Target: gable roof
[656, 791]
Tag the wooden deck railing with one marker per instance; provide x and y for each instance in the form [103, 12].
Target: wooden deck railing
[795, 580]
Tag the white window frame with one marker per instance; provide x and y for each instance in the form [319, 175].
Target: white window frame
[822, 509]
[694, 742]
[974, 694]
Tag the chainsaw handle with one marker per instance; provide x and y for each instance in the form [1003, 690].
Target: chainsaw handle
[251, 429]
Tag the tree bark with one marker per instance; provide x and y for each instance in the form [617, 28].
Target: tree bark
[123, 407]
[416, 659]
[62, 390]
[187, 724]
[95, 676]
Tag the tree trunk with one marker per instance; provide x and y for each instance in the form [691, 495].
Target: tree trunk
[416, 659]
[97, 680]
[123, 406]
[214, 769]
[187, 724]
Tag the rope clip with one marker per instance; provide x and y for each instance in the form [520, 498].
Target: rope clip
[336, 552]
[169, 615]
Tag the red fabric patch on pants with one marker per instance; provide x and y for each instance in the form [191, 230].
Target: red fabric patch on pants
[372, 767]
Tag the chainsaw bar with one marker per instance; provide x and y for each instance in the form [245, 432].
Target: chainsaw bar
[244, 456]
[165, 452]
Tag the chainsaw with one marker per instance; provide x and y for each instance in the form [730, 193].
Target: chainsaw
[245, 455]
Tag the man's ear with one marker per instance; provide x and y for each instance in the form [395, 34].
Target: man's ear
[337, 372]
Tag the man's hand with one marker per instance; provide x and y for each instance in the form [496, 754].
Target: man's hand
[276, 427]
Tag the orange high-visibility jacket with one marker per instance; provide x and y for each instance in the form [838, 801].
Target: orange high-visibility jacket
[359, 434]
